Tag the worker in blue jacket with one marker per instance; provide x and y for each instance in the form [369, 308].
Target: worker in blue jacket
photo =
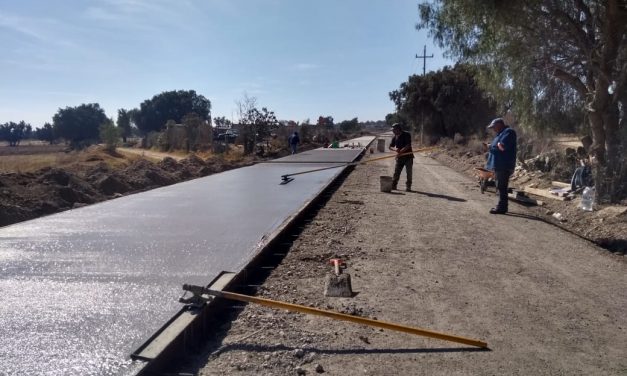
[501, 160]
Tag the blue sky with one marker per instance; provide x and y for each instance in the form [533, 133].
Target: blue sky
[299, 58]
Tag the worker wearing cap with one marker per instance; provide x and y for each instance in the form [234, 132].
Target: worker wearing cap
[401, 143]
[501, 160]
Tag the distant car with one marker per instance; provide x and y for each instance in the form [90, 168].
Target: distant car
[228, 136]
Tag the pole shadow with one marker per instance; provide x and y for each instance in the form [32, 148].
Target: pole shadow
[250, 347]
[437, 195]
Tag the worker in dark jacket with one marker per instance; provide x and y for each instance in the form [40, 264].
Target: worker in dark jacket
[401, 143]
[294, 140]
[501, 160]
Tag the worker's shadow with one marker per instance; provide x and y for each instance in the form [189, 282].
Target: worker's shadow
[437, 195]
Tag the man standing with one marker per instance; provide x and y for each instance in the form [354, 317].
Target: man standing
[401, 142]
[502, 160]
[294, 140]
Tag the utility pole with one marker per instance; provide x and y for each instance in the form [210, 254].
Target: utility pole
[424, 71]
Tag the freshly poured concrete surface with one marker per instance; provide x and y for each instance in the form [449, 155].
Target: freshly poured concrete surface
[84, 288]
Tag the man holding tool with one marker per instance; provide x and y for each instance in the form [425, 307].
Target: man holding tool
[502, 160]
[401, 143]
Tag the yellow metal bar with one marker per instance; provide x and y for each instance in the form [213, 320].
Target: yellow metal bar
[362, 162]
[345, 317]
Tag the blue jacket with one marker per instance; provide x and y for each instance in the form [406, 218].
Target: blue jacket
[503, 160]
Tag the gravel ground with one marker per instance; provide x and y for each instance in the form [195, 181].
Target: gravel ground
[546, 301]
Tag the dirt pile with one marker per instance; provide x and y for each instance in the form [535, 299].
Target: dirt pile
[25, 196]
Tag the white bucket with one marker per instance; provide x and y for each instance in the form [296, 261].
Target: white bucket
[380, 145]
[386, 183]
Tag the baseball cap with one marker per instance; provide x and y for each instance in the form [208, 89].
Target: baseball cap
[397, 126]
[495, 122]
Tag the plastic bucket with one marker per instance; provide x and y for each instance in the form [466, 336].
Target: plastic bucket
[380, 145]
[386, 183]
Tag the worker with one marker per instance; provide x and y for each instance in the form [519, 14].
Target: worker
[294, 140]
[501, 160]
[401, 143]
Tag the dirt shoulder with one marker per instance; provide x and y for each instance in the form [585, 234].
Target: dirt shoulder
[605, 226]
[547, 302]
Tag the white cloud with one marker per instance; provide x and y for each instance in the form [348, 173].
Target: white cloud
[305, 66]
[24, 26]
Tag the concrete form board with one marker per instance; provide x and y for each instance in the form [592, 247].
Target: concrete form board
[83, 288]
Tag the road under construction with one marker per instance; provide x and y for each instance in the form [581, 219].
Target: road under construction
[85, 289]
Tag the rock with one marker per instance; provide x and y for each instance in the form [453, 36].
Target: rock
[310, 357]
[111, 184]
[300, 371]
[299, 353]
[319, 368]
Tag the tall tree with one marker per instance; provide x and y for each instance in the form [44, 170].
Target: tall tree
[80, 124]
[222, 122]
[109, 135]
[349, 125]
[45, 133]
[528, 49]
[124, 123]
[13, 133]
[325, 122]
[170, 105]
[446, 102]
[256, 125]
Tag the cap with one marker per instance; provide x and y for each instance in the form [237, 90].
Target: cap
[397, 126]
[495, 122]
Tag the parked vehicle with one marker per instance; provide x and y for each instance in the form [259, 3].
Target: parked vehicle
[228, 136]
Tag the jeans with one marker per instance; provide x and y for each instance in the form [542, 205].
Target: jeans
[400, 163]
[293, 146]
[502, 183]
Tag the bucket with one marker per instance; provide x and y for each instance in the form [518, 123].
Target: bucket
[386, 183]
[380, 145]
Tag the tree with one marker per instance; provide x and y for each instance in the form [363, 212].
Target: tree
[392, 118]
[170, 105]
[528, 51]
[124, 124]
[446, 102]
[325, 121]
[222, 122]
[80, 124]
[349, 125]
[110, 135]
[45, 133]
[13, 133]
[256, 124]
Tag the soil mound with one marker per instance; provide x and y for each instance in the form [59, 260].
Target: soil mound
[25, 196]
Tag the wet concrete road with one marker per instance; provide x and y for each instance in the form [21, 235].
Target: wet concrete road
[82, 289]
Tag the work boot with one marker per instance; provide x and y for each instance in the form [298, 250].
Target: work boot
[498, 211]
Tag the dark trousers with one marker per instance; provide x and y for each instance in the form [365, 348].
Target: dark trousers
[502, 183]
[400, 163]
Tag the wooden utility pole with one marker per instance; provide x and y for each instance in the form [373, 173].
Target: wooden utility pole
[424, 59]
[424, 71]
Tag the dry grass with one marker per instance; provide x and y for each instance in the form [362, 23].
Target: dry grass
[21, 163]
[29, 163]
